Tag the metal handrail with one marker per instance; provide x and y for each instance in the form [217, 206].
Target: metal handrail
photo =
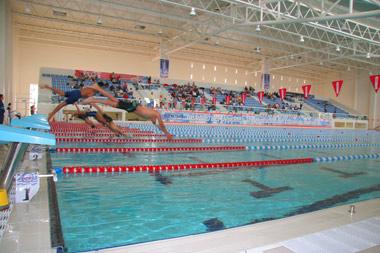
[15, 155]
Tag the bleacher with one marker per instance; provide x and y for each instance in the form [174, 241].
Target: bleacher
[67, 83]
[253, 102]
[325, 106]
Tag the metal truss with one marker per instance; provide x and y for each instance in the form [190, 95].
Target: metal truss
[286, 21]
[232, 25]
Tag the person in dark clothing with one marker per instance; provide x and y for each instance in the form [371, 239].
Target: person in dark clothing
[9, 109]
[2, 109]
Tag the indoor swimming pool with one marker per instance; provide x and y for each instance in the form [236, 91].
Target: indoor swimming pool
[103, 210]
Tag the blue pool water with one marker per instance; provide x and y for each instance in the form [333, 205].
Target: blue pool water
[102, 211]
[113, 210]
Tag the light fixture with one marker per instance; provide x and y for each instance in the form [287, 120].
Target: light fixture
[28, 10]
[258, 49]
[192, 12]
[368, 55]
[99, 21]
[258, 29]
[302, 39]
[338, 48]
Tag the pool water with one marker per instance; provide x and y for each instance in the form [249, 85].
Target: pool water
[100, 211]
[114, 209]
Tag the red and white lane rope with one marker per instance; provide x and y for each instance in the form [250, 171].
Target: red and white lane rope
[160, 149]
[106, 134]
[128, 140]
[176, 167]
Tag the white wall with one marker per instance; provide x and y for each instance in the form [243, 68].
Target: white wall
[6, 45]
[29, 56]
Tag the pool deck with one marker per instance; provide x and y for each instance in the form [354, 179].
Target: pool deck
[28, 229]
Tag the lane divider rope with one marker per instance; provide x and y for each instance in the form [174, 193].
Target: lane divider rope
[159, 149]
[90, 134]
[128, 140]
[346, 157]
[171, 167]
[208, 148]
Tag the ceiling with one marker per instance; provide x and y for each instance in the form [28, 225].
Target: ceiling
[310, 37]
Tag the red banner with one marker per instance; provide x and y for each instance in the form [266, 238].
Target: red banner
[260, 95]
[243, 97]
[282, 93]
[306, 90]
[214, 100]
[375, 79]
[337, 86]
[203, 100]
[228, 99]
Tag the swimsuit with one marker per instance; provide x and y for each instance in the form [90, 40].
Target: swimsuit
[129, 106]
[72, 96]
[93, 114]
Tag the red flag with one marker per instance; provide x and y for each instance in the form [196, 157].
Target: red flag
[337, 85]
[243, 97]
[375, 79]
[282, 92]
[203, 100]
[228, 99]
[306, 90]
[214, 100]
[260, 95]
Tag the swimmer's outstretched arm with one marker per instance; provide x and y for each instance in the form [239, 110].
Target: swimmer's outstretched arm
[55, 90]
[96, 87]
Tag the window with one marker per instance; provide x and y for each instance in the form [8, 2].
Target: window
[33, 95]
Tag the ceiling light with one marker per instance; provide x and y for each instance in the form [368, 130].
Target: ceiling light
[258, 29]
[27, 9]
[338, 48]
[302, 39]
[192, 12]
[99, 21]
[368, 55]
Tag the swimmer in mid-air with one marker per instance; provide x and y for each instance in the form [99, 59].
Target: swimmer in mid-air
[102, 118]
[71, 96]
[130, 106]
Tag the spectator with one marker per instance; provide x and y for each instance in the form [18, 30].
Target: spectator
[2, 110]
[9, 109]
[32, 110]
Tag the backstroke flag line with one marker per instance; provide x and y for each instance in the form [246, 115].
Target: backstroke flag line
[337, 86]
[375, 80]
